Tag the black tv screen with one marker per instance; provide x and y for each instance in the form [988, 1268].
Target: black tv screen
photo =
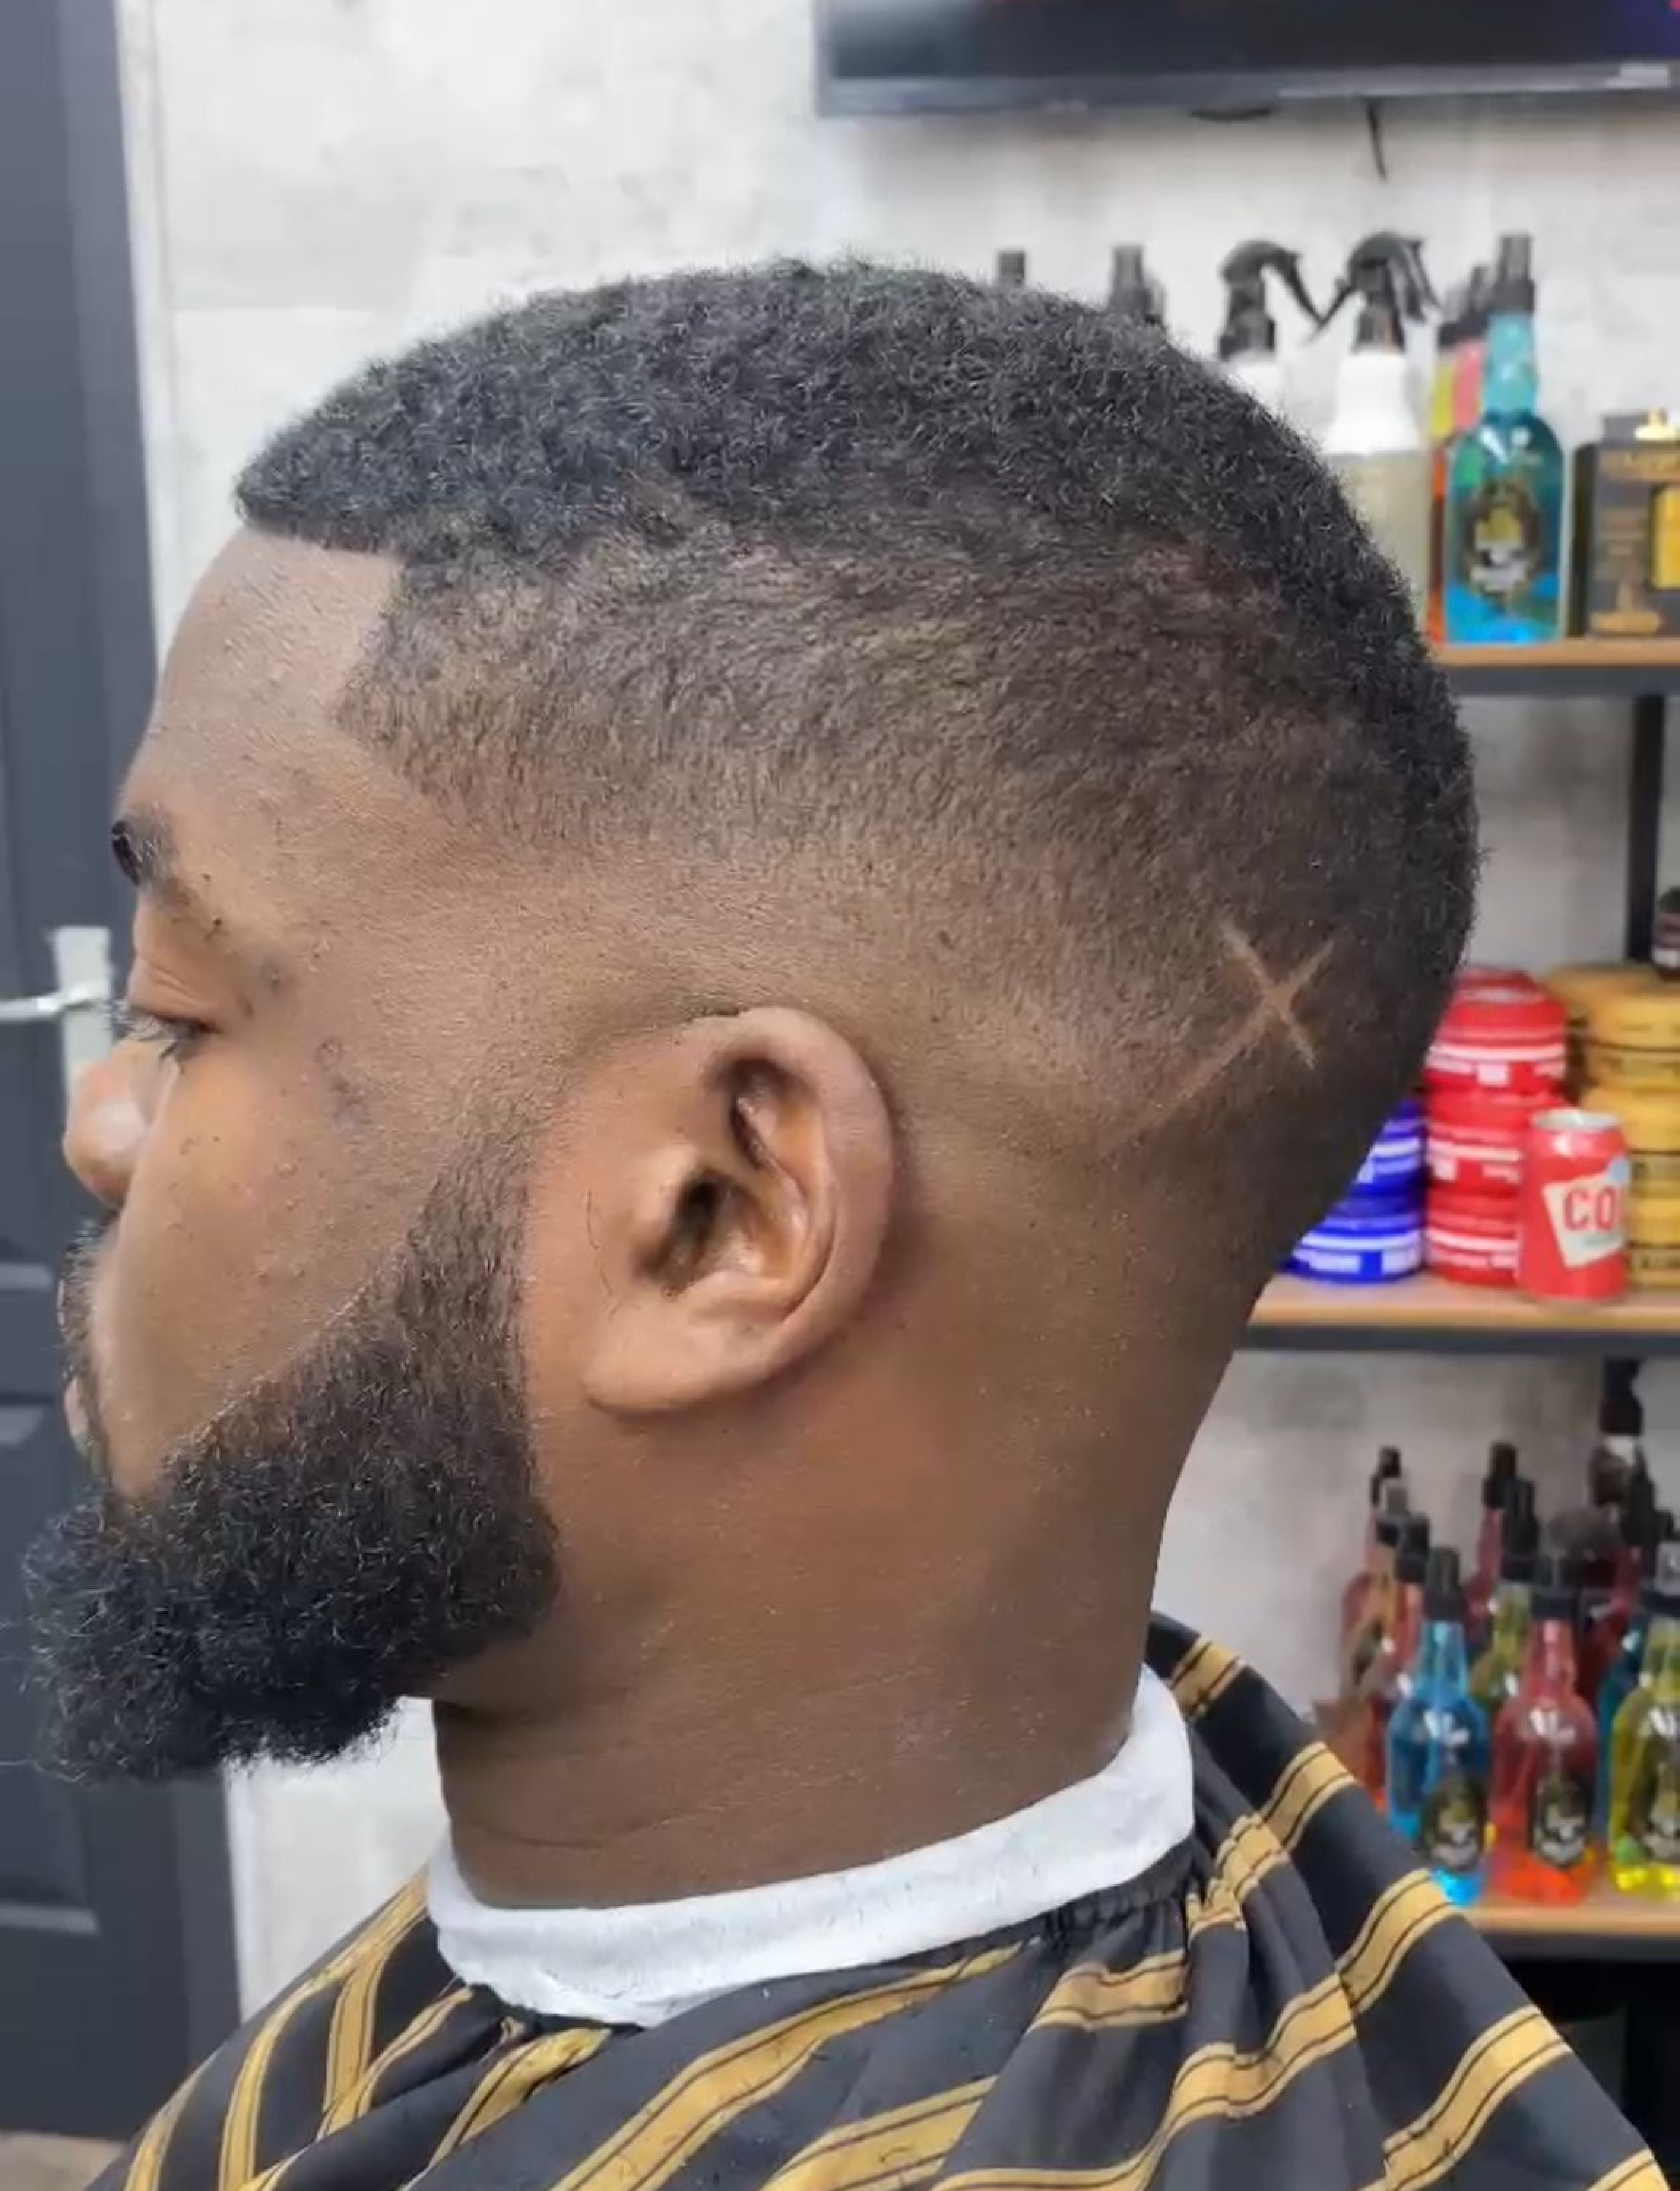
[902, 56]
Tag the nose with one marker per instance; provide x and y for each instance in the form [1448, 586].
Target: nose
[110, 1114]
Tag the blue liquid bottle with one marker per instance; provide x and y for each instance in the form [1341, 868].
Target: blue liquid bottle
[1505, 484]
[1438, 1749]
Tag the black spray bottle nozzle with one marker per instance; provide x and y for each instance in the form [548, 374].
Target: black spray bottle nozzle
[1442, 1591]
[1519, 1532]
[1389, 1470]
[1411, 1561]
[1385, 271]
[1556, 1591]
[1501, 1474]
[1513, 281]
[1133, 292]
[1250, 330]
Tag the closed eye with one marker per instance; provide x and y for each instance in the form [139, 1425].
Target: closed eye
[171, 1037]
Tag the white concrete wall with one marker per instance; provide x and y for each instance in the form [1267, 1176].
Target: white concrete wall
[316, 180]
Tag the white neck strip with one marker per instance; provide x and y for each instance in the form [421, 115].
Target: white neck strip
[644, 1963]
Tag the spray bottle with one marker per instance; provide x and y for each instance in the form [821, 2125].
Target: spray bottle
[1134, 293]
[1375, 439]
[1012, 269]
[1247, 342]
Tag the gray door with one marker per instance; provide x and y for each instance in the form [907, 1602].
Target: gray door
[115, 1955]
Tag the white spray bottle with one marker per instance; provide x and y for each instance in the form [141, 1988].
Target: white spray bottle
[1376, 438]
[1247, 341]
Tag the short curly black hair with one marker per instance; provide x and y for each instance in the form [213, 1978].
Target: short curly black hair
[987, 597]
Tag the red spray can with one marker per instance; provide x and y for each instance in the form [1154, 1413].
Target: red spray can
[1574, 1239]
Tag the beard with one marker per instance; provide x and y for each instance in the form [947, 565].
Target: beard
[336, 1539]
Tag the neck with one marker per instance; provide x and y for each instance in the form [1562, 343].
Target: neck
[671, 1792]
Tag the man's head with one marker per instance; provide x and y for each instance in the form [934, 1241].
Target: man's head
[889, 844]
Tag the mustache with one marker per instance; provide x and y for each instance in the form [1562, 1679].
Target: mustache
[78, 1271]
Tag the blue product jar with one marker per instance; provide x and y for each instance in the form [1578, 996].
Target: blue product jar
[1395, 1164]
[1369, 1241]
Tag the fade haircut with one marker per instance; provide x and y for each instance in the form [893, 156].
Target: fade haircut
[959, 596]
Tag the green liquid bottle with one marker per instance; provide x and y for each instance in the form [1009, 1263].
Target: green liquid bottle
[1504, 489]
[1645, 1823]
[1497, 1672]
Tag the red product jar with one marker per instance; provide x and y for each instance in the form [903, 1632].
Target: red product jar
[1474, 1139]
[1471, 1238]
[1576, 1175]
[1501, 1033]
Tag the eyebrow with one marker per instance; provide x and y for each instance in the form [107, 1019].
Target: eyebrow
[143, 846]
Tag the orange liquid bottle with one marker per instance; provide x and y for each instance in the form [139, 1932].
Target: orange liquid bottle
[1545, 1760]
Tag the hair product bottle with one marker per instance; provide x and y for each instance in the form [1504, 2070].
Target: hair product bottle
[1247, 342]
[1498, 1668]
[1644, 1823]
[1133, 292]
[1393, 1661]
[1505, 496]
[1375, 439]
[1661, 1579]
[1501, 1471]
[1437, 1746]
[1603, 1633]
[1441, 433]
[1356, 1593]
[1545, 1755]
[1012, 269]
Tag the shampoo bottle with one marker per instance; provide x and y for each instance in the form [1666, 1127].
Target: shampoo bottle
[1505, 497]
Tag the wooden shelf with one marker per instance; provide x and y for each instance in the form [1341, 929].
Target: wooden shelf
[1564, 668]
[1606, 1928]
[1427, 1315]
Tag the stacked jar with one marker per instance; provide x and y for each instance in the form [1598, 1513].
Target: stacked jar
[1375, 1233]
[1632, 1057]
[1499, 1056]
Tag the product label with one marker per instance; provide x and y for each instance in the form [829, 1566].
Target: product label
[1653, 1814]
[1560, 1816]
[1588, 1214]
[1507, 538]
[1452, 1826]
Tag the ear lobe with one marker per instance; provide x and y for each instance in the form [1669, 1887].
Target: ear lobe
[755, 1224]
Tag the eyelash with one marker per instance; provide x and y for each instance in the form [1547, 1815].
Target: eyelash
[172, 1037]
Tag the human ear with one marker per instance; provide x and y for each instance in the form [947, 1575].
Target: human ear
[741, 1219]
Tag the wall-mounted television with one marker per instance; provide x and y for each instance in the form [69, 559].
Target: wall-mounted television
[908, 56]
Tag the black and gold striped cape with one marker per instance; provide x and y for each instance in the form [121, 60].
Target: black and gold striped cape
[1282, 2003]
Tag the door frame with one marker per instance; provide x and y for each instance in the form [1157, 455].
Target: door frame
[65, 251]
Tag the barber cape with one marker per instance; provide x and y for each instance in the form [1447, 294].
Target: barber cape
[1280, 2002]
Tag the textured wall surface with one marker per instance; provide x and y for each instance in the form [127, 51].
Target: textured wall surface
[317, 179]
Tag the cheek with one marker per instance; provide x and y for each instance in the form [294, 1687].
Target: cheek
[254, 1214]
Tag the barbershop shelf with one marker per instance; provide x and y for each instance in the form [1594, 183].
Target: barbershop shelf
[1432, 1316]
[1606, 1928]
[1565, 669]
